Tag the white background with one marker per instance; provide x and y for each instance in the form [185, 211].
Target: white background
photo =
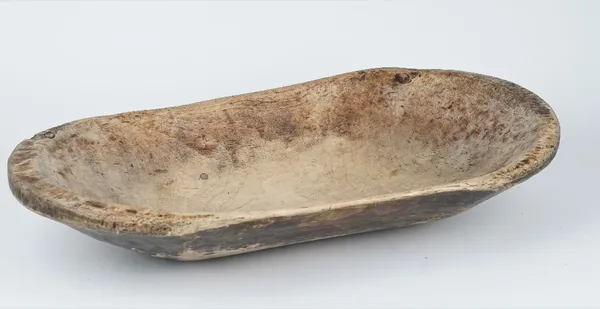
[535, 246]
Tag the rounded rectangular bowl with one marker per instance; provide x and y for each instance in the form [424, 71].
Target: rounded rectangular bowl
[351, 153]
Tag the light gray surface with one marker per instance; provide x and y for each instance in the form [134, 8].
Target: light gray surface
[535, 246]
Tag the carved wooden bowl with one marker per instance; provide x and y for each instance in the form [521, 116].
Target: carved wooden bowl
[352, 153]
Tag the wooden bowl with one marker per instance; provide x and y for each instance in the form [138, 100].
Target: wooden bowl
[357, 152]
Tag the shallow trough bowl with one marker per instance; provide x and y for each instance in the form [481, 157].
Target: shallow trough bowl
[352, 153]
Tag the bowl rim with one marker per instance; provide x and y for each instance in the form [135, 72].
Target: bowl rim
[58, 203]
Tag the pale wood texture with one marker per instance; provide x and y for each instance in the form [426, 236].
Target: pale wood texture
[347, 143]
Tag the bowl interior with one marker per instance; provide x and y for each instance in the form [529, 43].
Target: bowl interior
[338, 139]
